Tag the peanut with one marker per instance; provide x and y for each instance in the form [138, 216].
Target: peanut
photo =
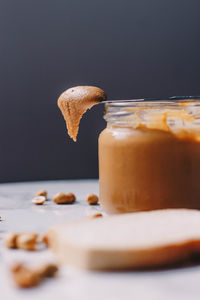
[96, 215]
[62, 198]
[39, 200]
[27, 241]
[48, 270]
[10, 240]
[44, 239]
[25, 277]
[92, 199]
[41, 193]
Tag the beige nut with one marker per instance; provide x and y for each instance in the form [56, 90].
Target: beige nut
[41, 193]
[62, 198]
[92, 199]
[96, 215]
[25, 277]
[39, 200]
[48, 270]
[10, 240]
[27, 241]
[44, 239]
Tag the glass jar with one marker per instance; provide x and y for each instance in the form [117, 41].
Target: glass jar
[149, 155]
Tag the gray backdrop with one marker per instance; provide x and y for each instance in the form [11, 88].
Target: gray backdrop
[130, 48]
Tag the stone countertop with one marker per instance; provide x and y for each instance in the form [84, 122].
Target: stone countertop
[19, 214]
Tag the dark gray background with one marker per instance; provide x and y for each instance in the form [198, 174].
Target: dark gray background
[129, 48]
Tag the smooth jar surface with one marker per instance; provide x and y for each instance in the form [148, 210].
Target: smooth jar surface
[142, 169]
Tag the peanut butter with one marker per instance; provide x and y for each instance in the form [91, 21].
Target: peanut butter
[74, 102]
[151, 162]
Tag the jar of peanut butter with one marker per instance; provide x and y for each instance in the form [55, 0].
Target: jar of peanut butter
[149, 155]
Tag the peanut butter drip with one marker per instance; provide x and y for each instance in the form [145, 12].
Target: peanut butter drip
[74, 102]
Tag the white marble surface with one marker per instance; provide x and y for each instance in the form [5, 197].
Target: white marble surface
[19, 214]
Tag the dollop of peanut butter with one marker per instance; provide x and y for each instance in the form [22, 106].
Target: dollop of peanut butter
[74, 102]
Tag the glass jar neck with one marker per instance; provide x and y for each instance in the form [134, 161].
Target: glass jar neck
[153, 113]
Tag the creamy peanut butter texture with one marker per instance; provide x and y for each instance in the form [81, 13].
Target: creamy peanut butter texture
[74, 102]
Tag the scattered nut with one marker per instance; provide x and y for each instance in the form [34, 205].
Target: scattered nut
[39, 200]
[27, 241]
[44, 239]
[41, 193]
[10, 240]
[25, 277]
[48, 270]
[96, 215]
[92, 199]
[62, 198]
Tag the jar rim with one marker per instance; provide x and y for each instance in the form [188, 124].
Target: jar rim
[118, 112]
[172, 101]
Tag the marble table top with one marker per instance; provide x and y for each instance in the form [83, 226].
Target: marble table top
[19, 214]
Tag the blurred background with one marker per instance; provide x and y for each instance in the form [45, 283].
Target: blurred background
[131, 49]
